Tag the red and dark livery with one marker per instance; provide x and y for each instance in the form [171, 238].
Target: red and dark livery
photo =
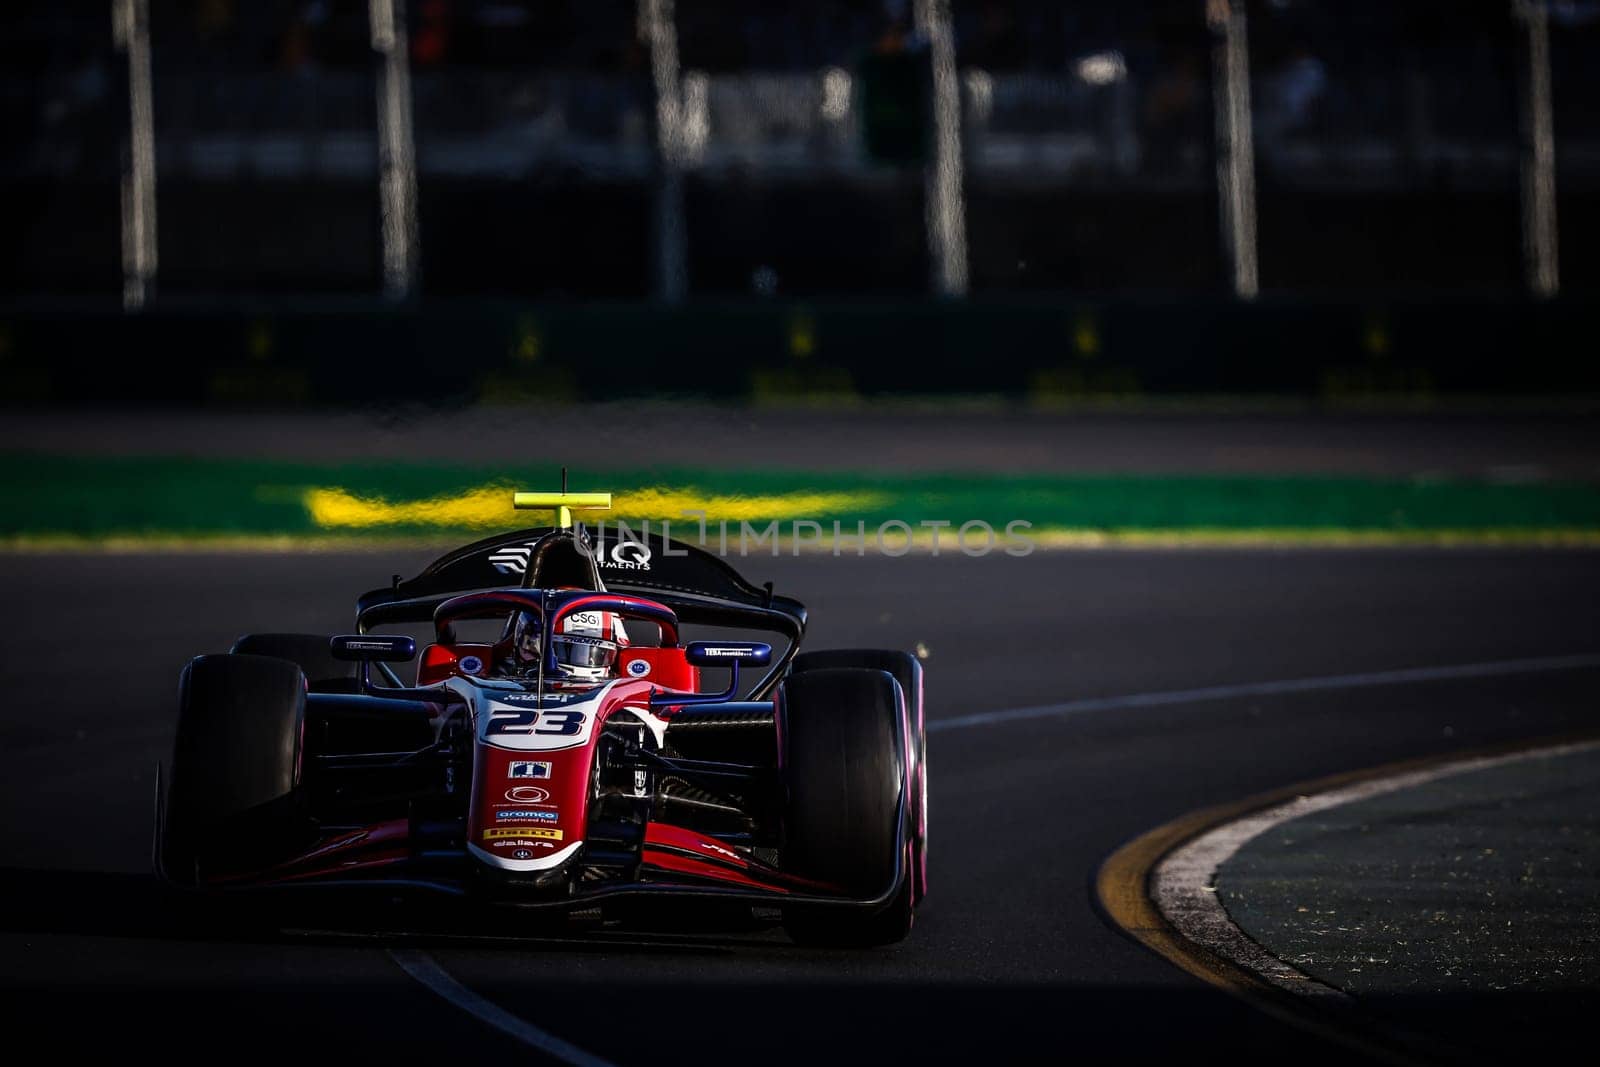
[306, 760]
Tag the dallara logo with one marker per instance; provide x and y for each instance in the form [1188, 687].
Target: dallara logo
[495, 833]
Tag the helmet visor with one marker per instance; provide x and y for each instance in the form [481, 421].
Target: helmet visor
[591, 653]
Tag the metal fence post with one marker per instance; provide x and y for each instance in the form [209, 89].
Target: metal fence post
[1539, 232]
[946, 203]
[659, 30]
[1236, 165]
[131, 33]
[397, 159]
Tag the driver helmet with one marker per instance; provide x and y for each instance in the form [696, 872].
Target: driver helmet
[586, 645]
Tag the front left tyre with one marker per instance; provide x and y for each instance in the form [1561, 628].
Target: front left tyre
[907, 670]
[844, 753]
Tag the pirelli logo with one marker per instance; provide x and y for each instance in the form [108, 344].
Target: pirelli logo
[498, 832]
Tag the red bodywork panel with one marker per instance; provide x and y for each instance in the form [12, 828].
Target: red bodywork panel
[439, 662]
[534, 767]
[663, 667]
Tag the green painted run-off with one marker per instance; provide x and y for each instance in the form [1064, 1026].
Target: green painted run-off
[64, 497]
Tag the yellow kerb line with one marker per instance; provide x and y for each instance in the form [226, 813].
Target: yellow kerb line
[563, 503]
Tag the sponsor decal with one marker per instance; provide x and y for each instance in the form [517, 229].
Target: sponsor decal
[527, 794]
[471, 665]
[521, 854]
[512, 560]
[638, 668]
[354, 644]
[718, 848]
[626, 555]
[726, 653]
[528, 769]
[518, 813]
[501, 833]
[584, 622]
[533, 698]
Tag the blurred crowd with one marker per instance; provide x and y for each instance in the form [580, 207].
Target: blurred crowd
[1136, 78]
[783, 106]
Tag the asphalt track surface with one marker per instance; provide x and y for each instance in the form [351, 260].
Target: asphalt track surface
[1010, 960]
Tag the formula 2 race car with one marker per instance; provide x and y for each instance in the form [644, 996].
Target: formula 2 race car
[547, 763]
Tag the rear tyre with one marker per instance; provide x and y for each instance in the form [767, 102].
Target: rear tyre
[844, 743]
[234, 802]
[907, 670]
[309, 652]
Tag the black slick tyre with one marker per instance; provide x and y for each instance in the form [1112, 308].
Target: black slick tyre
[843, 751]
[907, 670]
[234, 800]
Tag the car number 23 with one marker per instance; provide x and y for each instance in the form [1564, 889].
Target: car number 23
[534, 721]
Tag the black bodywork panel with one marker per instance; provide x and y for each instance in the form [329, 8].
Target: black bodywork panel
[698, 586]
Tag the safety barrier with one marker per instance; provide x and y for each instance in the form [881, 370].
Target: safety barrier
[363, 353]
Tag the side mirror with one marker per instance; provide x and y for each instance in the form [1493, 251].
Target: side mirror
[727, 654]
[365, 648]
[730, 654]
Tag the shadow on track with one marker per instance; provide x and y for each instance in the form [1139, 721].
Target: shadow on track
[114, 904]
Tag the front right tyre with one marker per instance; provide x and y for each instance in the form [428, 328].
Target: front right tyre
[234, 800]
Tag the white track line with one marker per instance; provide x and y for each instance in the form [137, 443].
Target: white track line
[426, 970]
[1257, 689]
[1184, 888]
